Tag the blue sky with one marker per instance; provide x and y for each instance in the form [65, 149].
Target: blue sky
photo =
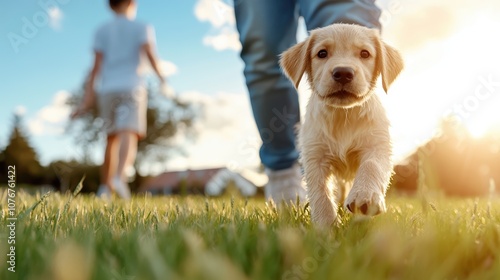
[447, 46]
[59, 54]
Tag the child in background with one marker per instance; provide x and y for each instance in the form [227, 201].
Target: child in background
[119, 46]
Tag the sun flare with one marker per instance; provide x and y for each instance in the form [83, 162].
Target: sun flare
[457, 74]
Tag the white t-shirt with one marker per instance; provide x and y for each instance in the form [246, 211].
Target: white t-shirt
[120, 41]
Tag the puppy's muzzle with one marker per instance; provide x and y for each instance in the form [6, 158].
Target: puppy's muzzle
[343, 75]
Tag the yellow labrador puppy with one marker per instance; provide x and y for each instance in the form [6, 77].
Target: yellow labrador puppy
[344, 140]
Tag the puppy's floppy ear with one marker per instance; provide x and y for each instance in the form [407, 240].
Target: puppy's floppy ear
[295, 61]
[389, 63]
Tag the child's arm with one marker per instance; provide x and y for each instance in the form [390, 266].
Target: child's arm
[89, 95]
[146, 48]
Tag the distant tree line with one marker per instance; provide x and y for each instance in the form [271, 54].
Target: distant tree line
[20, 154]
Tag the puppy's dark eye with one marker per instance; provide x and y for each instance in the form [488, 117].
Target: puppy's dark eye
[322, 54]
[364, 54]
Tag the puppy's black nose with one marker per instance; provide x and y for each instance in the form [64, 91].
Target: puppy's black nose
[343, 75]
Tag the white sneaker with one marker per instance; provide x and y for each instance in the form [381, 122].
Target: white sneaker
[121, 188]
[103, 192]
[285, 185]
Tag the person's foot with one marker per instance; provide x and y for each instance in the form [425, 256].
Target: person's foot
[103, 192]
[285, 185]
[121, 188]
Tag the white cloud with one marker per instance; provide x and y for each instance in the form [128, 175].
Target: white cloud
[227, 135]
[55, 18]
[226, 39]
[220, 15]
[216, 12]
[167, 68]
[51, 119]
[20, 110]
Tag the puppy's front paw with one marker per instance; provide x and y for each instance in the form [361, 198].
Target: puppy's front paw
[365, 201]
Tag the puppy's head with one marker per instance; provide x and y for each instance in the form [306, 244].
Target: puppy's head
[342, 62]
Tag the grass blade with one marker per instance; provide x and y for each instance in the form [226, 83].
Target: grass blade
[29, 210]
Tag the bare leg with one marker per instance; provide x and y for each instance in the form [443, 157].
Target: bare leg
[108, 169]
[128, 152]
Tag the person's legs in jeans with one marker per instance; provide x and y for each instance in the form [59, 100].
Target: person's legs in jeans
[320, 13]
[268, 28]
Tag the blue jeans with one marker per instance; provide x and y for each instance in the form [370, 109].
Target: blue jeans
[267, 28]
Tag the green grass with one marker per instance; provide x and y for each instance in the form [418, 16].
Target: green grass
[224, 238]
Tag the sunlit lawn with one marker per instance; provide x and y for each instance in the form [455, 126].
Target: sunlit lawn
[224, 238]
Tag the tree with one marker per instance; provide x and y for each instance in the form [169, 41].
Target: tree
[20, 154]
[166, 119]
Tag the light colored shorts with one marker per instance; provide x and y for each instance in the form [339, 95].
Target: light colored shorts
[124, 111]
